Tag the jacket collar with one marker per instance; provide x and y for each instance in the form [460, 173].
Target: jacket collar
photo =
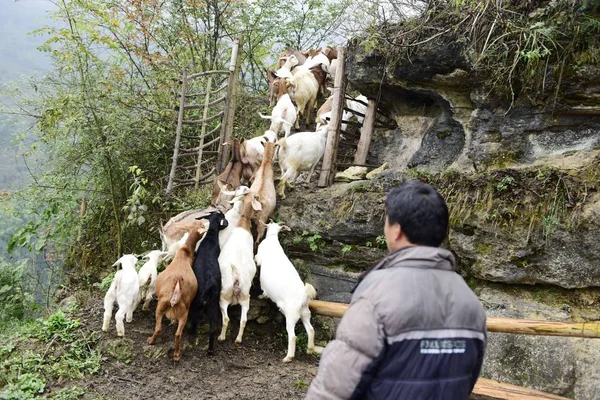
[415, 257]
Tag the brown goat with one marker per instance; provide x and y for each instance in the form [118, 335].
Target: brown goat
[321, 77]
[300, 55]
[176, 287]
[330, 52]
[231, 176]
[264, 188]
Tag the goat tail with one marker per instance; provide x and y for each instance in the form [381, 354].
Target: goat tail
[236, 280]
[310, 291]
[176, 296]
[265, 116]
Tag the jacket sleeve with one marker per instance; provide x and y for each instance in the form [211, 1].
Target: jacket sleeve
[348, 359]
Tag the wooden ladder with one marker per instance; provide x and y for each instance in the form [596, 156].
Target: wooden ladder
[193, 154]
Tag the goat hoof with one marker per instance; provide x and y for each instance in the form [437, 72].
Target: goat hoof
[288, 359]
[211, 352]
[238, 341]
[129, 320]
[151, 340]
[221, 338]
[177, 357]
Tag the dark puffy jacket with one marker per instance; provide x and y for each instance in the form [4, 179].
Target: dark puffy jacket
[414, 330]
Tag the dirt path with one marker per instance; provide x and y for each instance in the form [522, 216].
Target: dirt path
[132, 369]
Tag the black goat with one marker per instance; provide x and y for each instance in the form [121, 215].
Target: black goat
[207, 271]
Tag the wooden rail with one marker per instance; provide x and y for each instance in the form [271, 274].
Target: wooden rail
[501, 390]
[495, 324]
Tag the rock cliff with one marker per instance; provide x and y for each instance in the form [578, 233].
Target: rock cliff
[521, 177]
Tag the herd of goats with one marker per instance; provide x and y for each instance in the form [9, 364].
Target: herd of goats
[213, 253]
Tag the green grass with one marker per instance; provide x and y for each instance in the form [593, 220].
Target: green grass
[37, 355]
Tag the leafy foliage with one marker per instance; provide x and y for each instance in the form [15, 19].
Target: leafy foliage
[15, 297]
[39, 354]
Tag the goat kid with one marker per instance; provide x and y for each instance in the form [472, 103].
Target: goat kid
[176, 287]
[233, 215]
[208, 274]
[281, 283]
[283, 116]
[300, 152]
[147, 277]
[252, 153]
[264, 188]
[236, 262]
[124, 289]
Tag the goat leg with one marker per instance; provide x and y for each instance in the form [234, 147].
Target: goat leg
[180, 326]
[160, 312]
[223, 304]
[310, 331]
[290, 324]
[245, 307]
[213, 315]
[119, 319]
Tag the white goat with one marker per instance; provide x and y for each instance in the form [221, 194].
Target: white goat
[236, 262]
[325, 118]
[304, 89]
[252, 150]
[281, 283]
[283, 116]
[233, 215]
[359, 107]
[316, 60]
[300, 152]
[286, 69]
[124, 289]
[147, 276]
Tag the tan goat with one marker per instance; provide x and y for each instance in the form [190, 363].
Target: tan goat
[176, 287]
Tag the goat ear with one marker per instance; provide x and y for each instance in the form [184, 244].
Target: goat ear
[224, 223]
[285, 228]
[304, 53]
[117, 263]
[256, 205]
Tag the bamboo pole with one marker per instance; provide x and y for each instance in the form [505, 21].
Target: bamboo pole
[178, 131]
[366, 132]
[494, 324]
[203, 131]
[337, 106]
[227, 127]
[500, 390]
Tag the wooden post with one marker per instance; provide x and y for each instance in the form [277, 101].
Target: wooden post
[366, 132]
[203, 131]
[227, 126]
[328, 168]
[494, 324]
[178, 131]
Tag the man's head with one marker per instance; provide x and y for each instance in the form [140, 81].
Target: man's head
[415, 215]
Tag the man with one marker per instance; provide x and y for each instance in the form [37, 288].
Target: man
[414, 329]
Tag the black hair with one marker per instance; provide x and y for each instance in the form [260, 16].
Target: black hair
[421, 212]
